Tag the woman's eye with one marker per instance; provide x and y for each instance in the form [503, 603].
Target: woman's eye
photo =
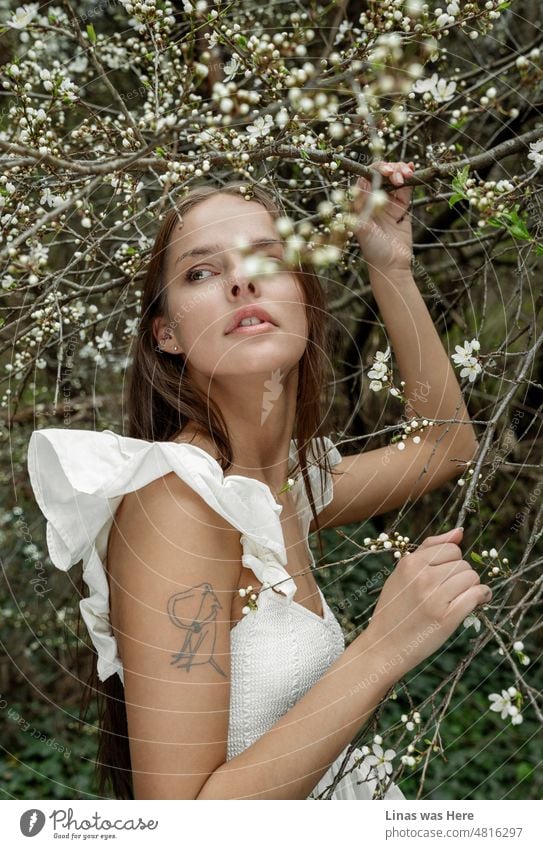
[273, 259]
[190, 275]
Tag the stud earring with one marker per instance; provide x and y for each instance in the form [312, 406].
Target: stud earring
[169, 337]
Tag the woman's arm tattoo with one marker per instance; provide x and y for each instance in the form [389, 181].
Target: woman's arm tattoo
[195, 610]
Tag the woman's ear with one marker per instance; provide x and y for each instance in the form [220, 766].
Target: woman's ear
[163, 334]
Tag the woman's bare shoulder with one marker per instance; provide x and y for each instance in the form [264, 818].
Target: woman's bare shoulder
[167, 503]
[168, 511]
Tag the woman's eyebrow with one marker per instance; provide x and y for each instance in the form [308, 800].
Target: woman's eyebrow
[205, 250]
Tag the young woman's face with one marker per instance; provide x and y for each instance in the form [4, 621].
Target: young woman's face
[208, 284]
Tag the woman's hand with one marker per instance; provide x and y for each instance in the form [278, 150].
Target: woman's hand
[384, 232]
[423, 601]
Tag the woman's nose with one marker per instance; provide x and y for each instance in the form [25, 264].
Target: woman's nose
[239, 280]
[236, 287]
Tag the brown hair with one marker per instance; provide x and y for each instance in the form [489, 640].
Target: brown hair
[162, 399]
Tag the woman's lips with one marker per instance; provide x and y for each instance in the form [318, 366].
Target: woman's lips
[253, 329]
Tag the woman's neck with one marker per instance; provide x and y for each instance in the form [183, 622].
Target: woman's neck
[279, 487]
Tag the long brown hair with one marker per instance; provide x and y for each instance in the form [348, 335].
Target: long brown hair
[162, 399]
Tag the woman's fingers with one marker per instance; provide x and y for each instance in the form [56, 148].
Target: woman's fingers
[392, 172]
[384, 167]
[396, 172]
[408, 168]
[458, 584]
[443, 553]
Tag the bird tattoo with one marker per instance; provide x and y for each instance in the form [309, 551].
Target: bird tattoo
[195, 611]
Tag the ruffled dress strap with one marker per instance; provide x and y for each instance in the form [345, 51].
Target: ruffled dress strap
[79, 478]
[322, 487]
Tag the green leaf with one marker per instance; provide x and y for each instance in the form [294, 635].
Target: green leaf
[539, 250]
[476, 557]
[241, 40]
[160, 151]
[520, 232]
[91, 33]
[514, 224]
[518, 226]
[458, 183]
[495, 222]
[460, 178]
[455, 198]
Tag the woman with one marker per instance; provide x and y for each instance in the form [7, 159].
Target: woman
[224, 671]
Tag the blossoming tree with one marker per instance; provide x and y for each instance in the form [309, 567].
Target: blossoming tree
[111, 110]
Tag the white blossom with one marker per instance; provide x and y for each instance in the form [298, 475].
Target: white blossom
[536, 153]
[131, 326]
[378, 373]
[382, 357]
[282, 118]
[470, 365]
[443, 90]
[501, 703]
[79, 64]
[440, 89]
[379, 763]
[50, 199]
[104, 341]
[23, 16]
[231, 68]
[257, 265]
[471, 370]
[260, 127]
[421, 86]
[472, 620]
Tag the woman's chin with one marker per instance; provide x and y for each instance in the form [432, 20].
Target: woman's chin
[253, 362]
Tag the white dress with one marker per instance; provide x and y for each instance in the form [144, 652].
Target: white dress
[279, 651]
